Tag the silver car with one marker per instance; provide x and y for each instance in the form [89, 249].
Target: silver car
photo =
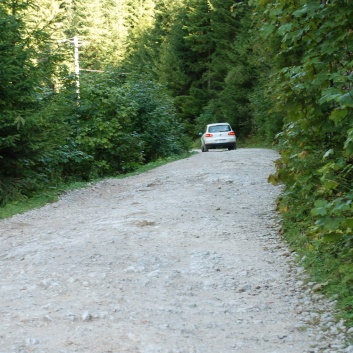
[219, 135]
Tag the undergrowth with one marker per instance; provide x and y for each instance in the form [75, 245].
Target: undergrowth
[255, 142]
[326, 262]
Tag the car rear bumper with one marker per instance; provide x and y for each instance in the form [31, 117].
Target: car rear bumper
[220, 145]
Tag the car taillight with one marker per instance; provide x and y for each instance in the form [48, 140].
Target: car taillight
[231, 133]
[208, 135]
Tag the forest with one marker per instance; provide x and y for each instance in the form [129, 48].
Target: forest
[96, 88]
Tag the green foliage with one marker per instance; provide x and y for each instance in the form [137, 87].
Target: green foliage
[312, 85]
[102, 27]
[47, 136]
[314, 91]
[103, 132]
[26, 135]
[241, 78]
[211, 31]
[123, 124]
[266, 123]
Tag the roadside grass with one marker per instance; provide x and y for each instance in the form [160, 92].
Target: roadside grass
[255, 142]
[37, 200]
[196, 144]
[52, 194]
[326, 264]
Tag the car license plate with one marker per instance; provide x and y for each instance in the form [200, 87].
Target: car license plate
[222, 140]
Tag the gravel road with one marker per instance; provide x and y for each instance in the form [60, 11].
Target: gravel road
[185, 258]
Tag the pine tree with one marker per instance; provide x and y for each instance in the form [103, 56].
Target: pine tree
[211, 29]
[234, 93]
[27, 136]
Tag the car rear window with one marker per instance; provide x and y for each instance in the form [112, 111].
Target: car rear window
[219, 128]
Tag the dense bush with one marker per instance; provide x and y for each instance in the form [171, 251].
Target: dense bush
[126, 123]
[313, 87]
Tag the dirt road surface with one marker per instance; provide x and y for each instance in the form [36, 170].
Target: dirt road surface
[185, 258]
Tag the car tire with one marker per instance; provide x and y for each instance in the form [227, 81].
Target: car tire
[232, 148]
[204, 148]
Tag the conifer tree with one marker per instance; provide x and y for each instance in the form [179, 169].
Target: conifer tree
[234, 93]
[211, 29]
[26, 136]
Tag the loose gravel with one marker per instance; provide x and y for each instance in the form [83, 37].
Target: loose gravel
[185, 258]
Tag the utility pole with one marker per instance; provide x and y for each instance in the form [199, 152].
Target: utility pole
[76, 43]
[77, 67]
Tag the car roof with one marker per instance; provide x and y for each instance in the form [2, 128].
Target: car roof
[218, 124]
